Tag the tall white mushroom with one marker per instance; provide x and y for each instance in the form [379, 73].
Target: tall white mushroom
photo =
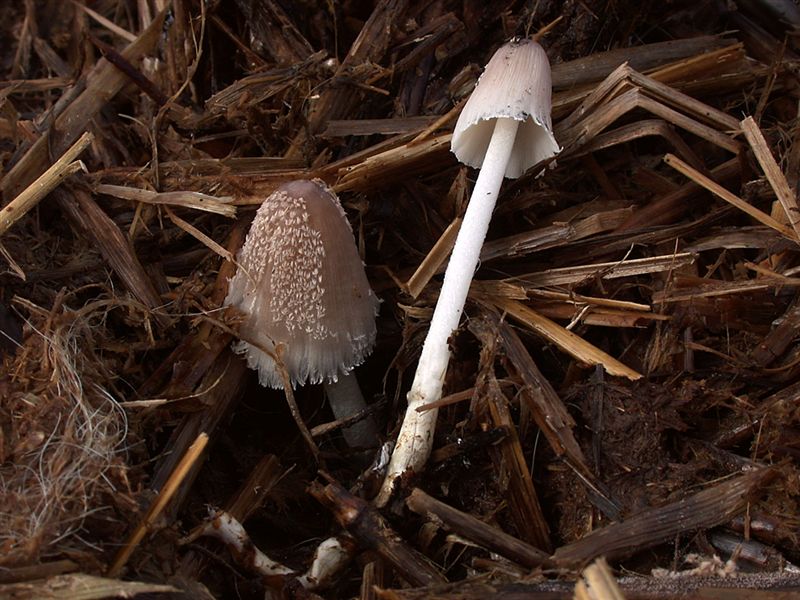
[302, 288]
[504, 129]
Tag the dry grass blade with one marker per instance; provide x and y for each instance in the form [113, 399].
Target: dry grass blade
[700, 110]
[43, 570]
[693, 66]
[640, 129]
[610, 270]
[692, 126]
[188, 460]
[358, 127]
[440, 122]
[44, 184]
[581, 300]
[554, 235]
[83, 587]
[544, 405]
[773, 172]
[194, 200]
[602, 317]
[673, 204]
[433, 261]
[110, 25]
[23, 86]
[372, 579]
[508, 456]
[527, 242]
[396, 164]
[259, 86]
[592, 311]
[719, 191]
[607, 113]
[612, 98]
[570, 343]
[713, 288]
[198, 235]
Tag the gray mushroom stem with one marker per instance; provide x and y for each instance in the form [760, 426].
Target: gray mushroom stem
[346, 400]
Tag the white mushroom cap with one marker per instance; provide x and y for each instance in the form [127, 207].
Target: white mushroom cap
[301, 284]
[516, 84]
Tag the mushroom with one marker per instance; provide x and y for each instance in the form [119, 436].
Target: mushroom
[301, 285]
[504, 129]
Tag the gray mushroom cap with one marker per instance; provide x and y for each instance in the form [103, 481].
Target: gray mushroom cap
[301, 284]
[516, 84]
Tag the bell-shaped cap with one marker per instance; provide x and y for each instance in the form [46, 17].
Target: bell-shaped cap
[516, 84]
[301, 284]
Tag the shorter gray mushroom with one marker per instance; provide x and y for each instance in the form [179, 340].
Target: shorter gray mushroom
[301, 285]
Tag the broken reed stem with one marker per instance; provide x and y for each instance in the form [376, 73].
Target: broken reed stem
[434, 259]
[570, 343]
[773, 172]
[194, 200]
[729, 197]
[475, 530]
[607, 270]
[164, 496]
[44, 184]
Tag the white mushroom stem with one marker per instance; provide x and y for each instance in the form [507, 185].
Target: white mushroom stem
[416, 434]
[346, 400]
[329, 559]
[226, 528]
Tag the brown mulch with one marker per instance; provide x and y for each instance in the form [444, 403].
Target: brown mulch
[625, 383]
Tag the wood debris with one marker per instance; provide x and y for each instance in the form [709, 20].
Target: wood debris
[622, 393]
